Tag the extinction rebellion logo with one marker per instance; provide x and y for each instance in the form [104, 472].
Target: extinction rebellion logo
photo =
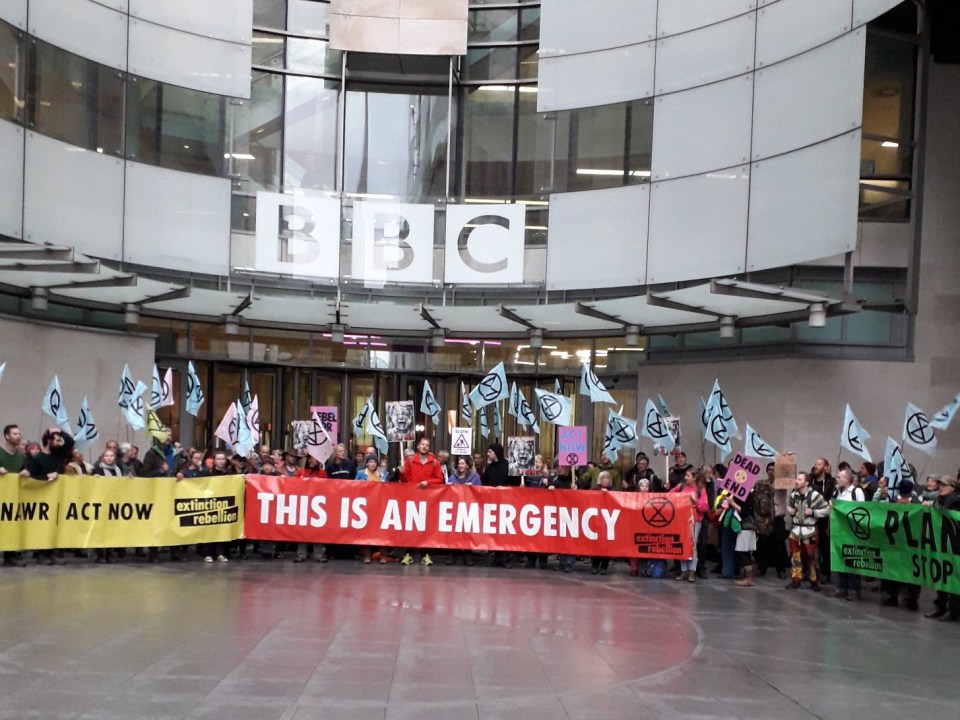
[201, 512]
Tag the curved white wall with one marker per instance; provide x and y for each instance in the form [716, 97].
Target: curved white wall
[734, 83]
[199, 45]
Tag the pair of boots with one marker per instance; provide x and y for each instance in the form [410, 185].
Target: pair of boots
[746, 577]
[688, 575]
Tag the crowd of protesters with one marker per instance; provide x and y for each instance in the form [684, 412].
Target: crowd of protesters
[786, 531]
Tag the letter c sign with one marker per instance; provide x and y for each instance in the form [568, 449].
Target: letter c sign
[484, 244]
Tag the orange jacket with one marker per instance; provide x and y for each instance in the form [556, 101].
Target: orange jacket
[415, 471]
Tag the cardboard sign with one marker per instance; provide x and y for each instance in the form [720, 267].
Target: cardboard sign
[572, 445]
[329, 416]
[741, 475]
[460, 441]
[785, 471]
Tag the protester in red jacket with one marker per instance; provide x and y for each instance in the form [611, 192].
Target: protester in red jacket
[422, 468]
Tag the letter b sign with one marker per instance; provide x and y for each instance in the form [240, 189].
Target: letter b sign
[298, 235]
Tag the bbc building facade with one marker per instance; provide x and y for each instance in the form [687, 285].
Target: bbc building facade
[332, 200]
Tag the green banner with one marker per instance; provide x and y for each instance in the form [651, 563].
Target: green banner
[908, 543]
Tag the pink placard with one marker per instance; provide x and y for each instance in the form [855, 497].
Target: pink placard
[328, 416]
[572, 445]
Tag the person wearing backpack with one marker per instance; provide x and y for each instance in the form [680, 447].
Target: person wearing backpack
[848, 583]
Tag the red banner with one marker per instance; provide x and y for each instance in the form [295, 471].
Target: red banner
[465, 517]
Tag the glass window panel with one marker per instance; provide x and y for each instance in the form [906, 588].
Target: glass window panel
[396, 144]
[888, 92]
[257, 136]
[530, 24]
[492, 25]
[878, 201]
[529, 62]
[268, 50]
[456, 354]
[491, 63]
[310, 138]
[243, 213]
[76, 100]
[600, 134]
[488, 142]
[309, 17]
[11, 92]
[210, 341]
[535, 142]
[175, 127]
[270, 14]
[281, 347]
[887, 158]
[313, 56]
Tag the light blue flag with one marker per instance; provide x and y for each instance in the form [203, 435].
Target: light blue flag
[86, 428]
[156, 389]
[134, 413]
[554, 407]
[756, 446]
[125, 395]
[466, 412]
[492, 388]
[557, 387]
[525, 415]
[429, 405]
[497, 423]
[624, 430]
[662, 406]
[245, 439]
[54, 406]
[360, 421]
[917, 430]
[725, 411]
[375, 428]
[484, 425]
[194, 392]
[717, 432]
[656, 429]
[611, 446]
[704, 417]
[895, 466]
[246, 399]
[853, 436]
[513, 405]
[941, 419]
[591, 386]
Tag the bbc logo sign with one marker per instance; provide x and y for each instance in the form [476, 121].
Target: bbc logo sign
[392, 242]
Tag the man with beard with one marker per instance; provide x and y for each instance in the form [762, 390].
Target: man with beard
[824, 483]
[56, 449]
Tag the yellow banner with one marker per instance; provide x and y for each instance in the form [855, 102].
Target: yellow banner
[92, 512]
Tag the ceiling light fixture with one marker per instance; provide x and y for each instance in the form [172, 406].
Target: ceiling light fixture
[38, 299]
[728, 327]
[818, 315]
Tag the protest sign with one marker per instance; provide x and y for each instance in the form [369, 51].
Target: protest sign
[329, 415]
[460, 441]
[466, 517]
[905, 543]
[95, 512]
[572, 445]
[740, 478]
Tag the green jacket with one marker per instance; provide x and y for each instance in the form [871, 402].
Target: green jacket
[594, 474]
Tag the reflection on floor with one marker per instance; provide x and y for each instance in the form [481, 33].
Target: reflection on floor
[345, 640]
